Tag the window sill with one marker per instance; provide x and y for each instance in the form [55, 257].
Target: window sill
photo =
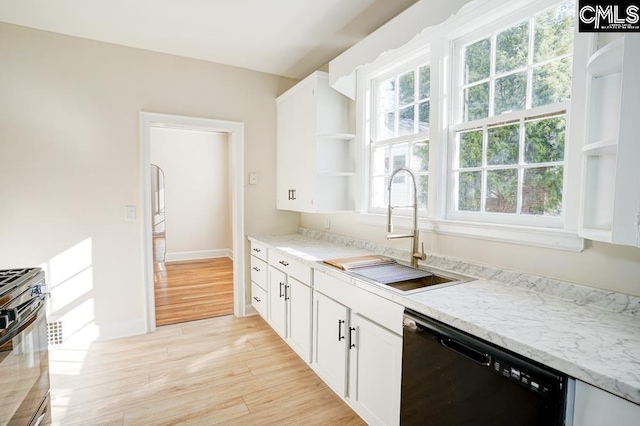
[558, 239]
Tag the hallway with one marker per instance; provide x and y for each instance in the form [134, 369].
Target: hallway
[191, 290]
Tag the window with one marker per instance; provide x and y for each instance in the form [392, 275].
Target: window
[507, 142]
[400, 135]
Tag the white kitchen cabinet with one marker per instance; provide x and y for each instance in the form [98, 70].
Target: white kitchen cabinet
[358, 348]
[290, 302]
[595, 407]
[315, 151]
[330, 342]
[259, 278]
[610, 204]
[375, 371]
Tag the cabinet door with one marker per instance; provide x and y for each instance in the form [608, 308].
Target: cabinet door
[595, 407]
[277, 302]
[296, 139]
[299, 302]
[375, 371]
[330, 327]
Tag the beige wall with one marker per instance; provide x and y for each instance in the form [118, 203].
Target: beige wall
[69, 160]
[197, 191]
[600, 265]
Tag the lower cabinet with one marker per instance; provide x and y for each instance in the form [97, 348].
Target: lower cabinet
[375, 372]
[595, 407]
[290, 311]
[355, 355]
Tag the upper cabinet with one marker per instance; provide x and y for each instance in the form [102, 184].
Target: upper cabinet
[610, 205]
[315, 148]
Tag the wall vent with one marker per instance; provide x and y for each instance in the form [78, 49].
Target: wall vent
[54, 332]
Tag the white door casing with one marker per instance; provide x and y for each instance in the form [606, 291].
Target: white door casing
[235, 132]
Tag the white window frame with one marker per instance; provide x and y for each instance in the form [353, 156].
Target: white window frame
[437, 43]
[404, 67]
[457, 123]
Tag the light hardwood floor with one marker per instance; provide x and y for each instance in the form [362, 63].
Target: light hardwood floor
[225, 370]
[191, 290]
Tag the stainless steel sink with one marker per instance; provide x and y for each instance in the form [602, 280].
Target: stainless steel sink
[406, 279]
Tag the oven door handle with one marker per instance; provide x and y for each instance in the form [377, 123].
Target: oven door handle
[26, 313]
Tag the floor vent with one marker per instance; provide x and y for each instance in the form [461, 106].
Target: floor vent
[54, 332]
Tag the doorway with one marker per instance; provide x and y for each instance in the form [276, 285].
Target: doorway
[193, 267]
[234, 132]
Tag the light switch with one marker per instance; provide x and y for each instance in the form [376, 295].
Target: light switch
[130, 212]
[253, 178]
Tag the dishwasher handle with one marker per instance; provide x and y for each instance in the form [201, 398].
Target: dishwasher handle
[466, 351]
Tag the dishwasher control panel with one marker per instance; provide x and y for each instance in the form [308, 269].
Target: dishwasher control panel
[520, 376]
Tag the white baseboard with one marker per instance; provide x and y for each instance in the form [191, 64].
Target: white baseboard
[194, 255]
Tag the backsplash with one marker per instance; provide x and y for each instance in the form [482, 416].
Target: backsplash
[582, 295]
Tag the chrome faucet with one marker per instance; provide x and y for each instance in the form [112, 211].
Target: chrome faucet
[415, 234]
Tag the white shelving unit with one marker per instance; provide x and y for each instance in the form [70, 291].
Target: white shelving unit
[315, 151]
[610, 205]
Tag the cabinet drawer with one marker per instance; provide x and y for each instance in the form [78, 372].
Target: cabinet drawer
[290, 266]
[258, 250]
[259, 272]
[259, 300]
[371, 306]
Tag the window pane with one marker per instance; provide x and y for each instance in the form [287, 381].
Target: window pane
[424, 87]
[380, 161]
[512, 48]
[422, 183]
[420, 157]
[477, 58]
[502, 145]
[387, 126]
[542, 191]
[407, 88]
[502, 191]
[388, 95]
[399, 153]
[554, 32]
[510, 93]
[406, 121]
[379, 192]
[476, 102]
[552, 83]
[469, 187]
[544, 140]
[423, 117]
[470, 153]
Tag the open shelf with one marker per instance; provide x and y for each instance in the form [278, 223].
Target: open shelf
[607, 60]
[606, 147]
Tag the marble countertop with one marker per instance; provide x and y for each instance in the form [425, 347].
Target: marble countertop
[596, 345]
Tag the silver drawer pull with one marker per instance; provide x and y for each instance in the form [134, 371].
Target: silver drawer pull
[257, 250]
[255, 268]
[256, 299]
[283, 263]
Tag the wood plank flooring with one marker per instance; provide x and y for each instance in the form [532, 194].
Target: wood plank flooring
[191, 290]
[225, 370]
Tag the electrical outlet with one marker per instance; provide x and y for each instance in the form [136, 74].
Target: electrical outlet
[253, 178]
[327, 222]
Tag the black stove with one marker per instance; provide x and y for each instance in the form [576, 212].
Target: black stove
[24, 356]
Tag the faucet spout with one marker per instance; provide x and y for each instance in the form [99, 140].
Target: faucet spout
[415, 233]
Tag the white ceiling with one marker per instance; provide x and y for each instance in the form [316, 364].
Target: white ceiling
[291, 38]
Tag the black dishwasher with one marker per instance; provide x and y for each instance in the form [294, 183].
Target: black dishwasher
[450, 378]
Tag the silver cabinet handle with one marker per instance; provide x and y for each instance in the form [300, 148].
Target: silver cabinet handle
[256, 298]
[255, 268]
[286, 292]
[257, 250]
[281, 286]
[283, 263]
